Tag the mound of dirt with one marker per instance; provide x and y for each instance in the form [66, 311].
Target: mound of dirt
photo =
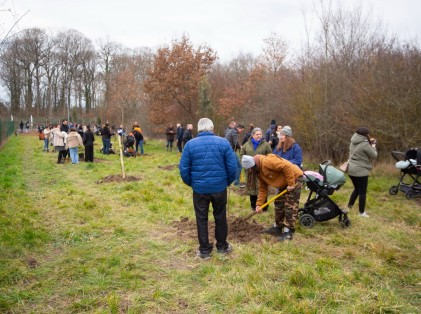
[168, 167]
[117, 178]
[239, 229]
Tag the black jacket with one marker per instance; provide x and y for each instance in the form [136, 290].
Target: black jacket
[88, 138]
[187, 136]
[138, 136]
[105, 132]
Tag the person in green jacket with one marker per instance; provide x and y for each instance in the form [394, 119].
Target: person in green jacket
[363, 153]
[256, 145]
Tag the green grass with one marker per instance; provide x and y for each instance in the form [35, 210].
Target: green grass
[69, 244]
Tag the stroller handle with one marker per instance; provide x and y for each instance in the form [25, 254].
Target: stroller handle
[399, 156]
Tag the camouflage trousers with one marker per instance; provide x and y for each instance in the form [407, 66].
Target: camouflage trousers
[286, 207]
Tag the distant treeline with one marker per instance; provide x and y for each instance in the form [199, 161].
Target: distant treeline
[351, 74]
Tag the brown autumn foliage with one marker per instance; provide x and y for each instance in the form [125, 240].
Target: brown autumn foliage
[240, 94]
[174, 80]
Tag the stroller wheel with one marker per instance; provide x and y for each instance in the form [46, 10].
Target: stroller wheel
[393, 190]
[346, 223]
[307, 221]
[410, 194]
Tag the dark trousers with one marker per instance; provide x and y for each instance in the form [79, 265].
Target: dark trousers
[360, 191]
[201, 208]
[61, 155]
[253, 201]
[169, 144]
[89, 153]
[180, 146]
[106, 143]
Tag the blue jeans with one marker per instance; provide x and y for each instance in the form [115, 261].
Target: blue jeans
[74, 155]
[46, 144]
[106, 142]
[238, 171]
[139, 145]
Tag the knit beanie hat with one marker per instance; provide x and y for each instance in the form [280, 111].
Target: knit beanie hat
[363, 131]
[287, 131]
[247, 162]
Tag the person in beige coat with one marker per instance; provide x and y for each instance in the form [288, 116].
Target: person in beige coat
[58, 143]
[73, 141]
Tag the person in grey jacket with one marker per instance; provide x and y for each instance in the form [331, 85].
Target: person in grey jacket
[363, 152]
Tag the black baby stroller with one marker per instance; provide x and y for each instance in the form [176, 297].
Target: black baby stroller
[409, 164]
[321, 207]
[129, 150]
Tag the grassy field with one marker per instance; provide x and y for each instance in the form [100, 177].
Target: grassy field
[71, 242]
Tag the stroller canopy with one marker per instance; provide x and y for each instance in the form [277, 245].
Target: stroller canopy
[333, 176]
[414, 154]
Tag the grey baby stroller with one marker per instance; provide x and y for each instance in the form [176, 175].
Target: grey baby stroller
[319, 206]
[409, 163]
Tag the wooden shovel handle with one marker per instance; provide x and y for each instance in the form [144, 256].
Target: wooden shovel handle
[266, 204]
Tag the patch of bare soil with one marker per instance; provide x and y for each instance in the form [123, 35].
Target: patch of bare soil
[117, 178]
[32, 262]
[168, 167]
[239, 229]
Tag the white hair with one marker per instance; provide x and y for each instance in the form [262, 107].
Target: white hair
[205, 124]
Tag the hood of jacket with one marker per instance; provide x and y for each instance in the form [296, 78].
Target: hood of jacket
[357, 139]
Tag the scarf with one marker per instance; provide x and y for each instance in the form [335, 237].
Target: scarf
[255, 143]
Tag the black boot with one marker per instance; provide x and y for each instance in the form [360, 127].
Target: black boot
[274, 230]
[286, 236]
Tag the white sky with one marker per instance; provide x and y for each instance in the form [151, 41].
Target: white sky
[228, 26]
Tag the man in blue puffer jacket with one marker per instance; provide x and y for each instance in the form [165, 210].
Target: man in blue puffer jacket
[208, 165]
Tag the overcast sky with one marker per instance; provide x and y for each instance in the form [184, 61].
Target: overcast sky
[228, 26]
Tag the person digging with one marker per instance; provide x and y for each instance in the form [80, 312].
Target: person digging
[272, 170]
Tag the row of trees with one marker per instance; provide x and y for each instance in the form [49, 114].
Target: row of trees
[350, 74]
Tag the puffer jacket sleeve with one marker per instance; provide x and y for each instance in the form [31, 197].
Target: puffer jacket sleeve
[185, 165]
[297, 155]
[230, 164]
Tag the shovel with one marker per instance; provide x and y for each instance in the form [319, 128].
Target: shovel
[264, 205]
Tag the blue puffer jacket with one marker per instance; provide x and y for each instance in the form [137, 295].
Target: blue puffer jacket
[294, 154]
[208, 164]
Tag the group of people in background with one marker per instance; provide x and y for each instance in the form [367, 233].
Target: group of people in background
[66, 139]
[181, 135]
[270, 159]
[26, 125]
